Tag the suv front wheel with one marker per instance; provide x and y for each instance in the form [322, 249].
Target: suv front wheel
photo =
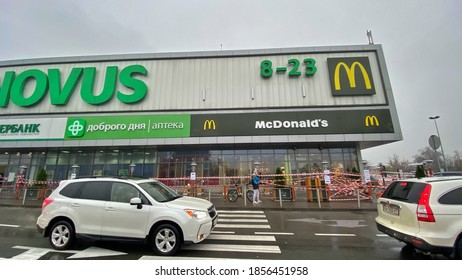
[61, 235]
[458, 250]
[166, 240]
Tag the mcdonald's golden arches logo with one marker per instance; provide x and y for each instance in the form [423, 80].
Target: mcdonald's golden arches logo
[371, 121]
[350, 76]
[209, 124]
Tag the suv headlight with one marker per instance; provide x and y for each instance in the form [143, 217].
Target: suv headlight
[196, 214]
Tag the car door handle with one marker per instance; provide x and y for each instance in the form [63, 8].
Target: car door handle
[110, 209]
[75, 205]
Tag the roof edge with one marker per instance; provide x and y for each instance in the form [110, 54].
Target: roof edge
[195, 54]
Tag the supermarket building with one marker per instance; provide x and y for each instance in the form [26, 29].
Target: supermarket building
[219, 112]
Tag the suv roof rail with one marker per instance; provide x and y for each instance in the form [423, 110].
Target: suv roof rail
[113, 177]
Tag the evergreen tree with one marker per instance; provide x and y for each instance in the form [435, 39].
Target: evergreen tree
[41, 177]
[279, 180]
[419, 172]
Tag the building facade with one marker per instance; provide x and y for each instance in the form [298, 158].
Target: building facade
[220, 112]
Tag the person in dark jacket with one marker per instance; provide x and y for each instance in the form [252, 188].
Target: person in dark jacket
[255, 184]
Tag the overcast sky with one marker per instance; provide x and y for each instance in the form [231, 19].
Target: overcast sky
[421, 39]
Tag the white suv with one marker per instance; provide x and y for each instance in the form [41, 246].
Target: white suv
[426, 214]
[125, 209]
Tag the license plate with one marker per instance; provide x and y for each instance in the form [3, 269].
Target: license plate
[391, 209]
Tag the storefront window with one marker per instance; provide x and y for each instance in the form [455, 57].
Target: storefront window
[150, 156]
[177, 163]
[63, 158]
[315, 159]
[15, 159]
[337, 162]
[38, 158]
[100, 157]
[4, 158]
[351, 160]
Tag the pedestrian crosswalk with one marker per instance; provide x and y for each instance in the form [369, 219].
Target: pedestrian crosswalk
[241, 226]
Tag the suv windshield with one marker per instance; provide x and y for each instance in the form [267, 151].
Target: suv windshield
[159, 191]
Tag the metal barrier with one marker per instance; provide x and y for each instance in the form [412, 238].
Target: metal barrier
[312, 188]
[290, 194]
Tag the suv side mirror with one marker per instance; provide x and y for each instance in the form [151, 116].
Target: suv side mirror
[136, 201]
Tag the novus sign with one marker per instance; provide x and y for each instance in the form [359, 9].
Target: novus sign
[13, 86]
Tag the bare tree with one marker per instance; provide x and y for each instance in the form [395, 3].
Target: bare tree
[396, 163]
[456, 161]
[428, 153]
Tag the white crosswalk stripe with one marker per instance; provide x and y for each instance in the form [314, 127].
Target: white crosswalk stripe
[244, 220]
[241, 237]
[235, 248]
[219, 225]
[238, 221]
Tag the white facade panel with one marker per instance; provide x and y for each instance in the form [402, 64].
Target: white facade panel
[208, 83]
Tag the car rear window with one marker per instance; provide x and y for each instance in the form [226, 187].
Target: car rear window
[71, 189]
[404, 191]
[453, 197]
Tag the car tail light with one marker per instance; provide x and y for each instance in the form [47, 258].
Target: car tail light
[46, 202]
[424, 212]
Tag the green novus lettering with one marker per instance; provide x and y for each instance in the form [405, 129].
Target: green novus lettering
[60, 96]
[86, 92]
[5, 89]
[12, 86]
[139, 87]
[41, 87]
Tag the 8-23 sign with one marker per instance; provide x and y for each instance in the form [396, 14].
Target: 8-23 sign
[266, 67]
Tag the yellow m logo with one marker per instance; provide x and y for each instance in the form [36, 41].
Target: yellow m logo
[350, 71]
[371, 120]
[209, 124]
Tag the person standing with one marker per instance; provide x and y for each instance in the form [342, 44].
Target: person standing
[255, 184]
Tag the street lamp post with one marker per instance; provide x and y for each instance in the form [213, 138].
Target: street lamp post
[21, 179]
[437, 132]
